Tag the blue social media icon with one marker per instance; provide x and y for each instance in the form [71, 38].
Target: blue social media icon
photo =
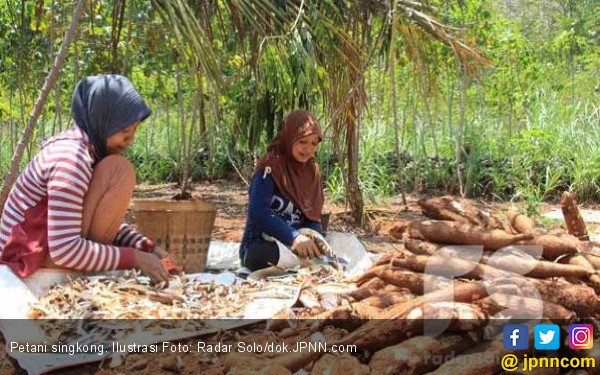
[516, 336]
[546, 337]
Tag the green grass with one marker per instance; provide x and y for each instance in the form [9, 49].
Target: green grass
[554, 146]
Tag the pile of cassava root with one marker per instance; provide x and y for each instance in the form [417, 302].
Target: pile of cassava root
[518, 271]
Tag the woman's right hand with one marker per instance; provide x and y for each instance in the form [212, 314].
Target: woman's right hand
[305, 247]
[151, 265]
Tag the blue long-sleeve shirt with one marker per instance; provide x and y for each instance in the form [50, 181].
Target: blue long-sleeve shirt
[270, 212]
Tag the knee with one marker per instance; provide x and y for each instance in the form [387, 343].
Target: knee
[261, 255]
[254, 262]
[117, 166]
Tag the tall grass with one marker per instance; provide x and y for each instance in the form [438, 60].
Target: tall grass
[554, 146]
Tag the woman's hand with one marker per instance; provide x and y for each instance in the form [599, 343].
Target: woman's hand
[305, 247]
[151, 265]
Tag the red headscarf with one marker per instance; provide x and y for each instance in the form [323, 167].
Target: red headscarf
[299, 182]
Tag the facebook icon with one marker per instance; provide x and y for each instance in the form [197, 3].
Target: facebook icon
[516, 336]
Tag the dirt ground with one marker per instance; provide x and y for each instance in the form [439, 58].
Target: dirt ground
[231, 200]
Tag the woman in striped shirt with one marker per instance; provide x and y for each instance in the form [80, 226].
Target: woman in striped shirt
[67, 207]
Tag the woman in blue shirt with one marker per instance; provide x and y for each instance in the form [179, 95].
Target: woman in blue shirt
[286, 194]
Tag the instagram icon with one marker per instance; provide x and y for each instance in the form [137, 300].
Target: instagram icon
[581, 336]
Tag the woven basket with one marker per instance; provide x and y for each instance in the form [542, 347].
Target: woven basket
[183, 228]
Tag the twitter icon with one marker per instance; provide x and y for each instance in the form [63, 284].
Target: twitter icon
[546, 337]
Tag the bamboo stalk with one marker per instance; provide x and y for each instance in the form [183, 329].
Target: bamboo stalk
[39, 104]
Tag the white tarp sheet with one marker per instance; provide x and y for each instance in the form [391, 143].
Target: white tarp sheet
[225, 255]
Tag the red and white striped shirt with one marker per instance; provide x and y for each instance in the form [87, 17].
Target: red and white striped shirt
[43, 214]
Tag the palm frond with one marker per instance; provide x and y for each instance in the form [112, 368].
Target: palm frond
[464, 52]
[192, 38]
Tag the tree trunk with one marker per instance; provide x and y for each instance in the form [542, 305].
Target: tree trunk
[462, 74]
[118, 15]
[429, 123]
[57, 121]
[354, 193]
[183, 160]
[39, 105]
[394, 97]
[169, 132]
[75, 66]
[450, 125]
[459, 133]
[130, 17]
[201, 105]
[11, 120]
[188, 150]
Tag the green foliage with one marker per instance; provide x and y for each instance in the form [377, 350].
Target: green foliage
[532, 116]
